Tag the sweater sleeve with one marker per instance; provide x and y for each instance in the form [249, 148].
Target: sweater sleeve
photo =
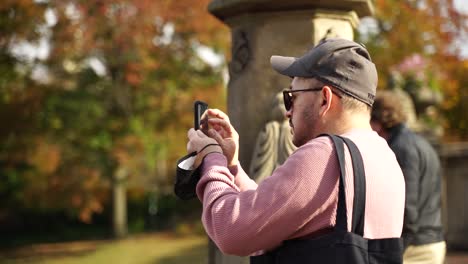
[243, 218]
[242, 180]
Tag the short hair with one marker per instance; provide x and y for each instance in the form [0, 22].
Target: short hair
[349, 102]
[388, 110]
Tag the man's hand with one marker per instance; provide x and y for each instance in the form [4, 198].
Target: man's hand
[198, 140]
[225, 135]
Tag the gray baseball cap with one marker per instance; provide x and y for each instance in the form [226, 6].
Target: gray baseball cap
[341, 63]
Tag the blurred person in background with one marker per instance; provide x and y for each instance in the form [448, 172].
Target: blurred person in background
[422, 229]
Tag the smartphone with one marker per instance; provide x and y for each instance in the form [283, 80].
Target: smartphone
[199, 108]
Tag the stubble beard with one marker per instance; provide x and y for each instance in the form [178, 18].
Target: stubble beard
[309, 127]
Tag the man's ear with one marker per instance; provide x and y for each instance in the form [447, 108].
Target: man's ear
[326, 100]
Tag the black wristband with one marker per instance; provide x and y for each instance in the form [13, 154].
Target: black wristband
[212, 144]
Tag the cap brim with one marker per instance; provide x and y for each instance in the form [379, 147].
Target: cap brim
[280, 63]
[289, 66]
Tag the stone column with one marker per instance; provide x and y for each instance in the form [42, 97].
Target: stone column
[261, 28]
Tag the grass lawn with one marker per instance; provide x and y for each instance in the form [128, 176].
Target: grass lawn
[164, 248]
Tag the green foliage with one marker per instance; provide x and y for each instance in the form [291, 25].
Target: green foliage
[72, 128]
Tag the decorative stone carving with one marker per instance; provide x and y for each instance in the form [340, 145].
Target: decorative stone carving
[331, 33]
[240, 52]
[274, 143]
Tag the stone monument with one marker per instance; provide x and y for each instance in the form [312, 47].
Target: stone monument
[274, 142]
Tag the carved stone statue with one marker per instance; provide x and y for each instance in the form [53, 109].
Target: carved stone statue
[274, 143]
[395, 85]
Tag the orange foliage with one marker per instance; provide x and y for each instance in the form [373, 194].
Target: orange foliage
[45, 156]
[430, 29]
[142, 107]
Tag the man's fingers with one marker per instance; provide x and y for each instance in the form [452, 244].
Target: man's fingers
[221, 123]
[191, 133]
[204, 115]
[189, 145]
[195, 133]
[200, 133]
[217, 113]
[215, 135]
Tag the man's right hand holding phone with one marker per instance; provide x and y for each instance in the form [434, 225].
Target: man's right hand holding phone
[225, 134]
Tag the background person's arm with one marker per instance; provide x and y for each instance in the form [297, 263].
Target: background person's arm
[408, 158]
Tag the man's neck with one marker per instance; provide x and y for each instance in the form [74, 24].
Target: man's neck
[346, 123]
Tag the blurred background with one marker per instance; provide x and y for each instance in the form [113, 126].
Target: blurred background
[96, 98]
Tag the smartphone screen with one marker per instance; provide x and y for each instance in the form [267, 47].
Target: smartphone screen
[200, 108]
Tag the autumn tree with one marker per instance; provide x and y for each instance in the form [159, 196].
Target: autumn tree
[19, 100]
[431, 30]
[113, 97]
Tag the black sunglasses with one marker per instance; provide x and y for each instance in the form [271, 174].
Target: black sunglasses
[287, 95]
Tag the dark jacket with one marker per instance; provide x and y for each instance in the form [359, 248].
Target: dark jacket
[421, 167]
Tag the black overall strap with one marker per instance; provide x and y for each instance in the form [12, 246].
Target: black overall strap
[341, 212]
[359, 201]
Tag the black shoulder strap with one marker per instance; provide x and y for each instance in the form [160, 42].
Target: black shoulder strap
[341, 211]
[359, 201]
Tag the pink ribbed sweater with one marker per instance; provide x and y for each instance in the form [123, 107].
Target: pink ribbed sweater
[300, 197]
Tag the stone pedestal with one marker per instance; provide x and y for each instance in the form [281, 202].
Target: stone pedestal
[261, 28]
[454, 194]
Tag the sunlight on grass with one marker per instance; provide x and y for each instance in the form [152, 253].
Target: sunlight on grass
[151, 248]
